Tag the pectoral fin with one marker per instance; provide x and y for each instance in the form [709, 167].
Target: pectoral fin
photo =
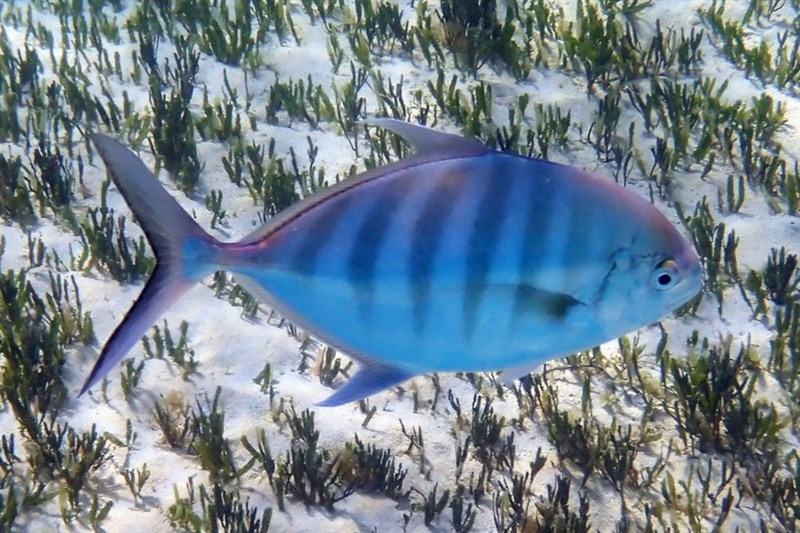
[372, 377]
[531, 302]
[553, 305]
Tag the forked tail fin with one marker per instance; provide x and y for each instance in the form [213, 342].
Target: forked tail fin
[181, 247]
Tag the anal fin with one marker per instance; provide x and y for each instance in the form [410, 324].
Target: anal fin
[371, 378]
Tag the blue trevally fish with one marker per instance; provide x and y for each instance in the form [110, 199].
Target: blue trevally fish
[459, 258]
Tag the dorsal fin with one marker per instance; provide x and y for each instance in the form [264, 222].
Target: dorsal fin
[427, 141]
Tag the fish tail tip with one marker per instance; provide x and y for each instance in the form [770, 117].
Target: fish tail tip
[89, 382]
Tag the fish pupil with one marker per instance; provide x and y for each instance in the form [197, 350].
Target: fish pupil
[664, 279]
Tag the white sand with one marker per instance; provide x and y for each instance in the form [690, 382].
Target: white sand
[231, 351]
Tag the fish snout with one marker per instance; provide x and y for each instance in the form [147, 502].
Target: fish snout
[689, 262]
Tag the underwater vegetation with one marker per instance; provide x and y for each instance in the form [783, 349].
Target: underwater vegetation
[401, 270]
[248, 106]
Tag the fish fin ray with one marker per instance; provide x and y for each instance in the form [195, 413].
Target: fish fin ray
[161, 217]
[372, 377]
[158, 295]
[429, 141]
[169, 229]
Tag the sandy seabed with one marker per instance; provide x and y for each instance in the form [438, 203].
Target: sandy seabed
[231, 349]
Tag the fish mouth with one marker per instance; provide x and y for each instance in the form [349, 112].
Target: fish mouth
[694, 281]
[689, 262]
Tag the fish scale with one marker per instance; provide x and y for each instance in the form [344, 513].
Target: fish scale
[370, 236]
[426, 240]
[456, 259]
[532, 250]
[384, 246]
[306, 255]
[491, 208]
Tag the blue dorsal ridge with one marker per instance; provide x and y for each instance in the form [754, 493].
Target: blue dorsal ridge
[427, 141]
[371, 377]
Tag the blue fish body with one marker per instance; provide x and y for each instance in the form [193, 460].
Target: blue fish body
[457, 259]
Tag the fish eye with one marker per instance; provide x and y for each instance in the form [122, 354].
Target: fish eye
[665, 275]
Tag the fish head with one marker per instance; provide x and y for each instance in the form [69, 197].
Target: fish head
[654, 273]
